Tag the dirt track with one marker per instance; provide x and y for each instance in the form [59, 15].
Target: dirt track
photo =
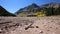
[29, 25]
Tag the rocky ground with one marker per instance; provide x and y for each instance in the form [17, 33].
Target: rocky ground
[29, 25]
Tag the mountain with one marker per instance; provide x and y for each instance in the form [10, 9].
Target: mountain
[52, 8]
[28, 9]
[4, 12]
[52, 4]
[49, 9]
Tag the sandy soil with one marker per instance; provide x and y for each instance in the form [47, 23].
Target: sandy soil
[29, 25]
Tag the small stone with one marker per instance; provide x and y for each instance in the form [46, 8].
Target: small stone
[0, 30]
[50, 27]
[56, 28]
[41, 31]
[48, 30]
[37, 27]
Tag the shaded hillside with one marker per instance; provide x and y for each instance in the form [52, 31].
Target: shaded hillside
[4, 12]
[43, 10]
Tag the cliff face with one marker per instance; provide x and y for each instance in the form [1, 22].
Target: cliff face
[4, 12]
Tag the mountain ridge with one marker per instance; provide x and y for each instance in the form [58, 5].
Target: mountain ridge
[46, 8]
[28, 8]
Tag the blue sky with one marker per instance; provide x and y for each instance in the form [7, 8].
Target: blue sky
[14, 5]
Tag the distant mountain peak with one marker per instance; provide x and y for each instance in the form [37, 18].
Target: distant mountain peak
[33, 4]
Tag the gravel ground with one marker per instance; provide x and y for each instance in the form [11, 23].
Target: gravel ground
[29, 25]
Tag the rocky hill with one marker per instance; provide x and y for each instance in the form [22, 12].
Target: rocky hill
[49, 9]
